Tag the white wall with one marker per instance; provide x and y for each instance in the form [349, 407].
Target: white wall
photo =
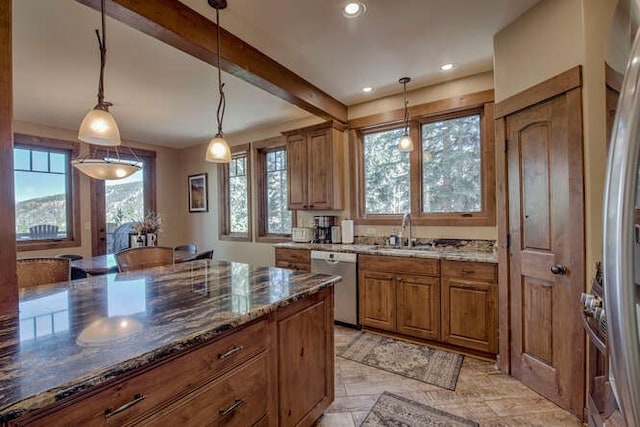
[167, 182]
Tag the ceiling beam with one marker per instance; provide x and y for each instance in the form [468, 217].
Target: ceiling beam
[183, 28]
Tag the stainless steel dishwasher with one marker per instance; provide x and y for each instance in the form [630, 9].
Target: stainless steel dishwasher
[346, 292]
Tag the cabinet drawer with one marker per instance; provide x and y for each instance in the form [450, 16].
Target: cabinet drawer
[129, 399]
[295, 259]
[391, 264]
[238, 398]
[470, 270]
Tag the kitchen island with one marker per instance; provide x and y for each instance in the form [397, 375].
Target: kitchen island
[201, 340]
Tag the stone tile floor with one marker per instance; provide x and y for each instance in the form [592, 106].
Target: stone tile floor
[482, 394]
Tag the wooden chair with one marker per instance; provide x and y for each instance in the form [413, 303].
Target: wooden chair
[189, 247]
[38, 271]
[145, 257]
[43, 231]
[76, 273]
[202, 255]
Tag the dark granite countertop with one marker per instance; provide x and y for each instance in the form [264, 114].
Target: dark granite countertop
[475, 251]
[75, 335]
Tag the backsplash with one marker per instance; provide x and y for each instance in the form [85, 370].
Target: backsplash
[475, 245]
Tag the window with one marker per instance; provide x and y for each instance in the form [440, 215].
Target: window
[45, 192]
[386, 173]
[235, 196]
[275, 220]
[447, 180]
[451, 165]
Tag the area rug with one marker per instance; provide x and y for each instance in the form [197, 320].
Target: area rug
[393, 410]
[419, 362]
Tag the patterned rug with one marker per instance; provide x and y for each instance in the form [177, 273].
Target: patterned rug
[392, 410]
[436, 367]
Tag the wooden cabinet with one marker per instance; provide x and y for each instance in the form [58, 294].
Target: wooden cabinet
[400, 295]
[293, 259]
[315, 167]
[469, 296]
[278, 370]
[453, 302]
[305, 362]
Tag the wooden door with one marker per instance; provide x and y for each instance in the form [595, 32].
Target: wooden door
[377, 300]
[546, 256]
[319, 179]
[297, 171]
[418, 301]
[469, 316]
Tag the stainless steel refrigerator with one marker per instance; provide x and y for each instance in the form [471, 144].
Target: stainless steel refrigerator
[621, 249]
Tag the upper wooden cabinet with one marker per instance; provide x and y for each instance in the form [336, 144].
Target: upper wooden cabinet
[315, 166]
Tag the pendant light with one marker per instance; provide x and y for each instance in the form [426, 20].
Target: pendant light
[218, 150]
[98, 126]
[405, 143]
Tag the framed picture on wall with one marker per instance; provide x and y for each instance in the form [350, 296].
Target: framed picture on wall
[198, 193]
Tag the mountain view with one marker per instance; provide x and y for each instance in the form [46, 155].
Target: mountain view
[122, 205]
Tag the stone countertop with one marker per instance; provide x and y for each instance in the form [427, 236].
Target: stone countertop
[446, 253]
[72, 336]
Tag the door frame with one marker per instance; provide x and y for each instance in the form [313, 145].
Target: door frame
[98, 228]
[557, 85]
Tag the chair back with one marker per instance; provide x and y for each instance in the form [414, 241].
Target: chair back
[43, 231]
[38, 271]
[189, 247]
[202, 255]
[145, 257]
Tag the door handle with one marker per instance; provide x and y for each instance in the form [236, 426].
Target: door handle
[559, 269]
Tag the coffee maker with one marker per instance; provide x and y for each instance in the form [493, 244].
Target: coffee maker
[322, 228]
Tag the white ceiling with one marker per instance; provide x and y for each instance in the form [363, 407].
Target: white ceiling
[165, 97]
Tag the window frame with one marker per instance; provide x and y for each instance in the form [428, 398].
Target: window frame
[480, 103]
[224, 216]
[74, 238]
[261, 148]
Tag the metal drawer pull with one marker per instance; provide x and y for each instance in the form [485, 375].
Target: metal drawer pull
[465, 271]
[230, 409]
[108, 413]
[230, 353]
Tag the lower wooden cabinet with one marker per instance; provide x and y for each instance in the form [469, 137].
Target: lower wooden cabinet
[305, 361]
[469, 299]
[453, 302]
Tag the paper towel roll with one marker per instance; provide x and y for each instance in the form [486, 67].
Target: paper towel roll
[347, 231]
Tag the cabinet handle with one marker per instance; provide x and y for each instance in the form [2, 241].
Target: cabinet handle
[463, 286]
[230, 353]
[226, 411]
[399, 279]
[108, 413]
[311, 206]
[467, 271]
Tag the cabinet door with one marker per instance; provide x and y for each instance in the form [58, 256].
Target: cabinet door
[377, 300]
[293, 259]
[418, 300]
[320, 172]
[305, 370]
[469, 314]
[297, 171]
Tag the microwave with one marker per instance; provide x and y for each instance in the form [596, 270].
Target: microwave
[301, 234]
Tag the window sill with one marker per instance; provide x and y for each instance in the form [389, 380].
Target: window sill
[234, 238]
[274, 238]
[24, 246]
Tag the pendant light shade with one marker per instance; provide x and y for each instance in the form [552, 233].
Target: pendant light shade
[108, 169]
[218, 150]
[100, 128]
[405, 143]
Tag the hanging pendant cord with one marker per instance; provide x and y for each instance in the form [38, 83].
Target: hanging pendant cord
[102, 43]
[221, 102]
[406, 110]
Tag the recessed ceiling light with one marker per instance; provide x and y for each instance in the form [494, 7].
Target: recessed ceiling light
[367, 89]
[353, 9]
[447, 67]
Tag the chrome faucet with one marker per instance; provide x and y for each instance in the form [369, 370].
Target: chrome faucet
[406, 220]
